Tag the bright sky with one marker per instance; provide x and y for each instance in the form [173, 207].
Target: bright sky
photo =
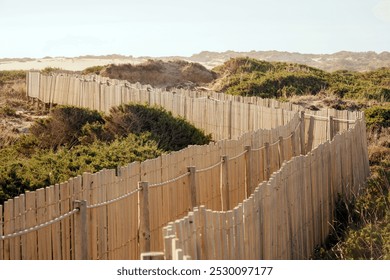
[38, 28]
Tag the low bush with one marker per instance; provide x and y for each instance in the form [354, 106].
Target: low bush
[76, 140]
[378, 116]
[26, 167]
[64, 126]
[246, 76]
[11, 75]
[171, 133]
[93, 70]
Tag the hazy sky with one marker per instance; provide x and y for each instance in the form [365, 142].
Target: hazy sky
[38, 28]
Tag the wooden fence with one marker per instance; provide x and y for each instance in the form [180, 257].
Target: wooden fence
[118, 214]
[285, 217]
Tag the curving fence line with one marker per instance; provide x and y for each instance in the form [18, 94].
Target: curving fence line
[119, 214]
[285, 217]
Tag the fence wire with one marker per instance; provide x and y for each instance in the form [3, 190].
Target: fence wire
[210, 167]
[169, 181]
[113, 200]
[37, 227]
[237, 156]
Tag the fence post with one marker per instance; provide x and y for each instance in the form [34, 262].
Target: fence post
[293, 144]
[225, 183]
[80, 232]
[330, 128]
[281, 151]
[144, 226]
[310, 136]
[303, 150]
[248, 170]
[193, 190]
[267, 164]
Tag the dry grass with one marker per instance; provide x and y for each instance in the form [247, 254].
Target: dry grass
[328, 100]
[379, 147]
[16, 113]
[158, 73]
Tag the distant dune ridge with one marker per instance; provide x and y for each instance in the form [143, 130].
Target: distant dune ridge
[344, 60]
[158, 73]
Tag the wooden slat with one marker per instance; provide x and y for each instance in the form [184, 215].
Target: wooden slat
[65, 224]
[111, 234]
[217, 235]
[23, 238]
[16, 242]
[54, 199]
[70, 200]
[211, 250]
[8, 228]
[257, 224]
[1, 233]
[230, 234]
[41, 218]
[102, 220]
[32, 242]
[93, 217]
[193, 236]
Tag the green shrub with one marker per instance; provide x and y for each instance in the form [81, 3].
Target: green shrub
[49, 70]
[93, 70]
[171, 133]
[21, 171]
[246, 76]
[64, 126]
[362, 227]
[11, 75]
[76, 140]
[251, 77]
[378, 116]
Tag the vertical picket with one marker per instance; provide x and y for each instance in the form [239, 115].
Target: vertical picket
[65, 224]
[17, 221]
[32, 242]
[1, 233]
[8, 228]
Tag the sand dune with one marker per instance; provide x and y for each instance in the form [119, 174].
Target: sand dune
[73, 64]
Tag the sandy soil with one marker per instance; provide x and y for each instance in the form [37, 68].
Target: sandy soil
[72, 64]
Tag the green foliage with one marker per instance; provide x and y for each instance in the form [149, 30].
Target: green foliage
[76, 140]
[93, 70]
[37, 168]
[244, 65]
[378, 116]
[64, 126]
[362, 226]
[370, 242]
[373, 85]
[11, 75]
[246, 76]
[171, 133]
[368, 236]
[49, 70]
